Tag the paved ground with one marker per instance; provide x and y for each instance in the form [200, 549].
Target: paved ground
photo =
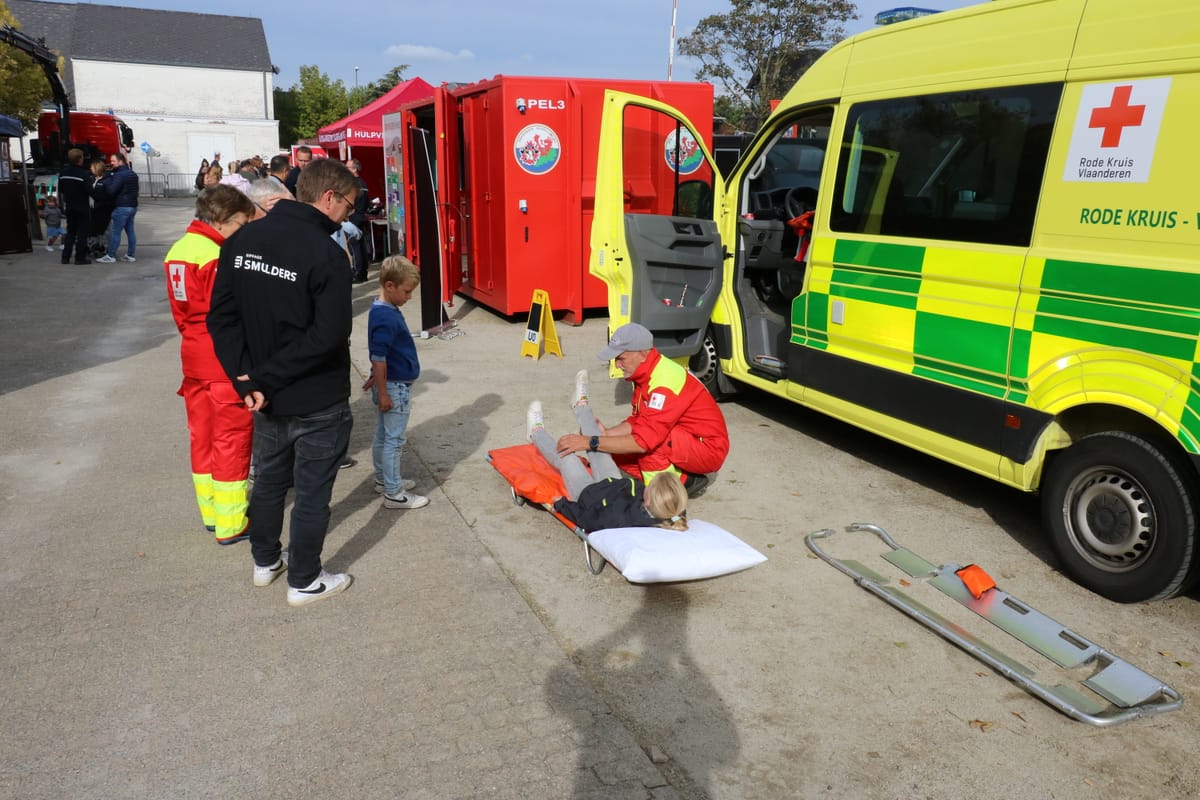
[474, 656]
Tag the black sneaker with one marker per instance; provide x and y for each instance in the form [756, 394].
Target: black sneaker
[695, 484]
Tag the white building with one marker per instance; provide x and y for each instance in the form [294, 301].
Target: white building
[190, 85]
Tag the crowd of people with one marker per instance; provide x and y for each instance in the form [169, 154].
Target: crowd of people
[259, 287]
[98, 203]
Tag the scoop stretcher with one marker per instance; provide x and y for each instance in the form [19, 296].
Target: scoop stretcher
[1114, 692]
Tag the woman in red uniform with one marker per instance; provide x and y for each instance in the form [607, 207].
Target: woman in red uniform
[220, 426]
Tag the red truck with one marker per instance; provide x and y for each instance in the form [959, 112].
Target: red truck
[95, 134]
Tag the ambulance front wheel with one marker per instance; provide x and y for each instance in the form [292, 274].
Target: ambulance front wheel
[706, 366]
[1121, 517]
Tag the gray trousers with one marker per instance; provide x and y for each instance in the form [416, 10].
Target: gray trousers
[574, 473]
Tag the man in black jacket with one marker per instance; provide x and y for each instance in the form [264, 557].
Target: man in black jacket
[303, 159]
[280, 323]
[75, 196]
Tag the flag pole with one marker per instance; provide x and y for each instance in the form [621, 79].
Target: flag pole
[671, 51]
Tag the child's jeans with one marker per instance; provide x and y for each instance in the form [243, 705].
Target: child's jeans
[389, 435]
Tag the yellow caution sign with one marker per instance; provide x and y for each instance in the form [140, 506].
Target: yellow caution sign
[540, 335]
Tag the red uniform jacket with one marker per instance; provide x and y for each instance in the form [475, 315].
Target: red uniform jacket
[191, 266]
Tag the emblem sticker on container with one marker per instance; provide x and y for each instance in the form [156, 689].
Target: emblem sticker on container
[537, 149]
[690, 157]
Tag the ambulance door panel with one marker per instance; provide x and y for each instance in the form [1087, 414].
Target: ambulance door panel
[654, 241]
[932, 215]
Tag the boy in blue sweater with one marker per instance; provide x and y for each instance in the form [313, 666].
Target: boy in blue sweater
[394, 367]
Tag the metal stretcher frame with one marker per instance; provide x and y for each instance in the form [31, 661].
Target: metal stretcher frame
[522, 465]
[1130, 692]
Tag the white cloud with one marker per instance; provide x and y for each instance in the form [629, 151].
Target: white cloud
[425, 53]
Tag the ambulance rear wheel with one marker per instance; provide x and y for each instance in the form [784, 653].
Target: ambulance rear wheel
[1122, 519]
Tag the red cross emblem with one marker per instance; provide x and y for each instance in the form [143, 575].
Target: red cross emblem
[176, 280]
[1117, 116]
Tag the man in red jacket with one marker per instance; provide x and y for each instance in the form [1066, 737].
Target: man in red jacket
[220, 425]
[675, 426]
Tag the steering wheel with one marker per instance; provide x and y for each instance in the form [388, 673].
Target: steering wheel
[798, 200]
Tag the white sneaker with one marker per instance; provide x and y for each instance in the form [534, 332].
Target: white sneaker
[580, 396]
[405, 485]
[106, 259]
[404, 500]
[533, 419]
[128, 258]
[50, 247]
[327, 584]
[61, 246]
[265, 576]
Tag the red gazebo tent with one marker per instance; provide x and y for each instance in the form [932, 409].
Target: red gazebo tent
[360, 134]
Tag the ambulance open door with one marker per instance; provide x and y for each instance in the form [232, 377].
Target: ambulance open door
[654, 241]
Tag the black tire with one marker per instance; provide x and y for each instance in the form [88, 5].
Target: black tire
[706, 366]
[1121, 517]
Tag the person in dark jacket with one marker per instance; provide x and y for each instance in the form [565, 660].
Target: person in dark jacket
[122, 187]
[303, 159]
[102, 208]
[280, 323]
[357, 233]
[200, 175]
[75, 196]
[626, 503]
[606, 497]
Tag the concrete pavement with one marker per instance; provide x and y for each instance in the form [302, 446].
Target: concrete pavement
[140, 662]
[474, 656]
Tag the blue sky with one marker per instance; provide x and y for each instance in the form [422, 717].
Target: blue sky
[470, 40]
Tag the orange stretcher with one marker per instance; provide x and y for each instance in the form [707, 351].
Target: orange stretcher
[532, 480]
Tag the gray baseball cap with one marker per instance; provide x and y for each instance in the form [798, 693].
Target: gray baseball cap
[630, 336]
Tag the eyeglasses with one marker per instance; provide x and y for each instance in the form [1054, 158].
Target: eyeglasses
[349, 203]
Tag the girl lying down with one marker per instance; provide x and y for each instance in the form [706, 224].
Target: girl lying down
[607, 497]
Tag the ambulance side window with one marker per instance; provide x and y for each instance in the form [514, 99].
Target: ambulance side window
[961, 166]
[665, 171]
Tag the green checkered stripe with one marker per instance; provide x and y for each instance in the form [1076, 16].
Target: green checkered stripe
[1093, 304]
[1132, 308]
[962, 352]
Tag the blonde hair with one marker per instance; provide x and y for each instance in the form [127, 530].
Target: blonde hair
[666, 499]
[399, 270]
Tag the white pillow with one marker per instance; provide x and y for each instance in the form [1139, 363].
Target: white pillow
[657, 555]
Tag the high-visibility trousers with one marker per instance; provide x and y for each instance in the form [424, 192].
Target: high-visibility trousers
[221, 429]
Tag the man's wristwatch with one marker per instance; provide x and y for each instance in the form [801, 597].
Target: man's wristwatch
[593, 444]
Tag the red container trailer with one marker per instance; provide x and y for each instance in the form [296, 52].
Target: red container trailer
[499, 180]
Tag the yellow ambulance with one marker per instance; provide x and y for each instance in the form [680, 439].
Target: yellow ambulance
[976, 233]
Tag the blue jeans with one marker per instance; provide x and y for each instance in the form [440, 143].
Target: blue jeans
[389, 435]
[304, 452]
[122, 220]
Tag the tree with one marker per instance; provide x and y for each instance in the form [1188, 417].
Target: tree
[756, 51]
[288, 115]
[23, 86]
[319, 101]
[377, 89]
[316, 101]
